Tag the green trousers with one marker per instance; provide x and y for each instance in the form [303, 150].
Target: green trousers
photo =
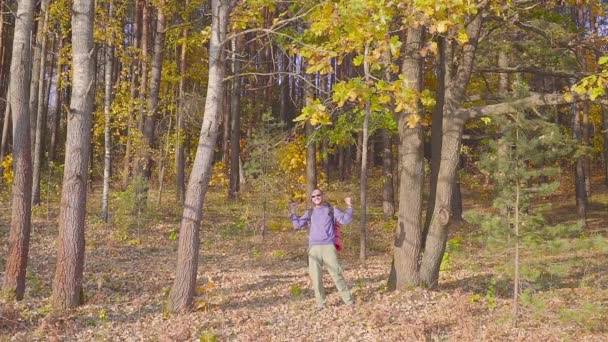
[326, 255]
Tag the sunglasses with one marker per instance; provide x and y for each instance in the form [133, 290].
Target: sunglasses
[315, 196]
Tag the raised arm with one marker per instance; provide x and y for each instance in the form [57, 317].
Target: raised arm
[344, 217]
[298, 222]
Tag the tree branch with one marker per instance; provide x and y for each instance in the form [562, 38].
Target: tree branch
[534, 70]
[534, 100]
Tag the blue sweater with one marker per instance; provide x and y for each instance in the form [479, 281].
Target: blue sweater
[321, 227]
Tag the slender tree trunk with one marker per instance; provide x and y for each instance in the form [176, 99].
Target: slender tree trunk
[182, 292]
[408, 235]
[107, 107]
[135, 68]
[67, 287]
[605, 135]
[144, 169]
[388, 192]
[143, 83]
[5, 131]
[19, 235]
[579, 169]
[235, 115]
[283, 88]
[40, 126]
[55, 118]
[586, 143]
[364, 161]
[311, 150]
[180, 160]
[36, 67]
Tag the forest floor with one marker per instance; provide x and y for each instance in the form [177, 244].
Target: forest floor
[254, 289]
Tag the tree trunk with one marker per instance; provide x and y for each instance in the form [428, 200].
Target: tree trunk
[364, 161]
[283, 88]
[55, 118]
[144, 169]
[311, 150]
[67, 288]
[19, 235]
[5, 131]
[586, 143]
[235, 127]
[605, 135]
[40, 126]
[107, 106]
[135, 68]
[36, 67]
[408, 235]
[180, 160]
[579, 169]
[388, 192]
[452, 128]
[182, 292]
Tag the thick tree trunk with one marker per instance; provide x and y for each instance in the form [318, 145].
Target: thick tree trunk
[182, 292]
[452, 128]
[408, 235]
[180, 160]
[67, 287]
[40, 127]
[235, 126]
[19, 235]
[388, 191]
[107, 106]
[443, 74]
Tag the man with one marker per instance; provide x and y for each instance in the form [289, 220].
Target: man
[321, 238]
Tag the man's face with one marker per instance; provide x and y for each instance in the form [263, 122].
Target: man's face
[316, 197]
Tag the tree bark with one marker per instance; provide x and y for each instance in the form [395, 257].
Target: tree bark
[364, 162]
[144, 169]
[408, 235]
[579, 168]
[311, 150]
[107, 106]
[36, 68]
[452, 128]
[605, 135]
[5, 131]
[180, 160]
[67, 288]
[19, 235]
[135, 68]
[388, 191]
[40, 126]
[56, 116]
[182, 292]
[235, 126]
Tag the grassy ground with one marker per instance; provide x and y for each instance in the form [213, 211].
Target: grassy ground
[257, 289]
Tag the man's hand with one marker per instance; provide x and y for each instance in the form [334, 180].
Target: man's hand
[292, 207]
[348, 202]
